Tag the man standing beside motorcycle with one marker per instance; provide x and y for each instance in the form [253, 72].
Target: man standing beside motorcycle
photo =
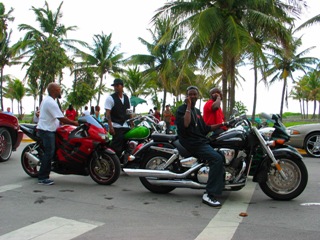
[212, 112]
[192, 131]
[49, 120]
[118, 111]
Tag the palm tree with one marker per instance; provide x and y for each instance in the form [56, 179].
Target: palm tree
[46, 47]
[164, 51]
[313, 87]
[19, 92]
[218, 33]
[285, 61]
[136, 82]
[297, 94]
[15, 91]
[104, 58]
[4, 17]
[7, 58]
[33, 91]
[308, 23]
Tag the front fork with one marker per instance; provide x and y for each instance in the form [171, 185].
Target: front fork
[265, 146]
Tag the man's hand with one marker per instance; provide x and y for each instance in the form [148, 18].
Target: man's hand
[111, 130]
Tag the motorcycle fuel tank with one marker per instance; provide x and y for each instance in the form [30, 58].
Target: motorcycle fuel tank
[140, 132]
[230, 139]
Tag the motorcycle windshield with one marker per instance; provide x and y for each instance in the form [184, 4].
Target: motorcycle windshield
[91, 120]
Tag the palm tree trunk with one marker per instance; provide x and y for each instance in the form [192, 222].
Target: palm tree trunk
[164, 101]
[100, 87]
[254, 90]
[304, 111]
[224, 83]
[314, 109]
[282, 97]
[232, 85]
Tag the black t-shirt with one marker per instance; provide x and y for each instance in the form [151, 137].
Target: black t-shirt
[195, 134]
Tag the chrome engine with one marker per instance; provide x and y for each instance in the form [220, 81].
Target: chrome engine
[234, 166]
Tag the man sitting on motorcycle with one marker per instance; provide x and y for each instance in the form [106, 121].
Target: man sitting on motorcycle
[192, 131]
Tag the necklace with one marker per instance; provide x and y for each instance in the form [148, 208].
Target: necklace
[194, 117]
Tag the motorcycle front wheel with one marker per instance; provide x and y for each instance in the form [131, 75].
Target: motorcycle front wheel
[155, 161]
[105, 168]
[29, 166]
[5, 145]
[280, 189]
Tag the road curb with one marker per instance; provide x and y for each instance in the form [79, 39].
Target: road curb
[26, 139]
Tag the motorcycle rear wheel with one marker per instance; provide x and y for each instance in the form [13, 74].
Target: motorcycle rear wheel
[105, 169]
[279, 189]
[28, 166]
[154, 160]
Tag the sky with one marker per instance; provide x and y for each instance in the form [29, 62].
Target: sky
[129, 19]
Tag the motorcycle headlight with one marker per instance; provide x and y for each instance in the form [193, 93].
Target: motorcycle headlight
[266, 132]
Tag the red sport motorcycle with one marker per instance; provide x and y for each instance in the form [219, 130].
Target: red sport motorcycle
[81, 150]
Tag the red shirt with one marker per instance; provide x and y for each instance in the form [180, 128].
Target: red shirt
[71, 114]
[157, 115]
[212, 117]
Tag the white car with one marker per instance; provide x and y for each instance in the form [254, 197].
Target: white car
[307, 137]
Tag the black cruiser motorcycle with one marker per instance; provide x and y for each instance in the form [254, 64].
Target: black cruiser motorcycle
[247, 150]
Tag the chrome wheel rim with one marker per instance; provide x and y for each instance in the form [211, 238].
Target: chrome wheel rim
[277, 184]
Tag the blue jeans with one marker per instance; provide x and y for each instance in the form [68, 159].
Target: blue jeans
[48, 142]
[215, 184]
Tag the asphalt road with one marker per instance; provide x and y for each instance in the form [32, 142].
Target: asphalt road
[78, 208]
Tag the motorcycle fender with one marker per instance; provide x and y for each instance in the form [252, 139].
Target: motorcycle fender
[109, 151]
[260, 174]
[146, 148]
[287, 152]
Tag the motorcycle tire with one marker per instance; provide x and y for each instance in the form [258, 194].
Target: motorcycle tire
[5, 145]
[279, 189]
[28, 166]
[104, 169]
[152, 161]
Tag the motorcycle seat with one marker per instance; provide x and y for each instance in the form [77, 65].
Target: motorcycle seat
[163, 137]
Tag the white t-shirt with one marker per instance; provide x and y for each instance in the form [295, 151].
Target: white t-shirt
[49, 114]
[86, 113]
[108, 105]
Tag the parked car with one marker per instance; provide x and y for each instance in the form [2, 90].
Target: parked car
[10, 136]
[307, 137]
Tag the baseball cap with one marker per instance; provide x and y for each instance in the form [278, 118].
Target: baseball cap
[117, 81]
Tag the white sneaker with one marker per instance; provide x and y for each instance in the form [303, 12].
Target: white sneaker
[211, 201]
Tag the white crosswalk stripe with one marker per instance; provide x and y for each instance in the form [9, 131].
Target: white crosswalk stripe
[226, 221]
[51, 229]
[9, 187]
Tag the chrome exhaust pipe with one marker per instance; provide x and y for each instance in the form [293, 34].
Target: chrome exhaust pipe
[159, 173]
[177, 183]
[191, 184]
[32, 158]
